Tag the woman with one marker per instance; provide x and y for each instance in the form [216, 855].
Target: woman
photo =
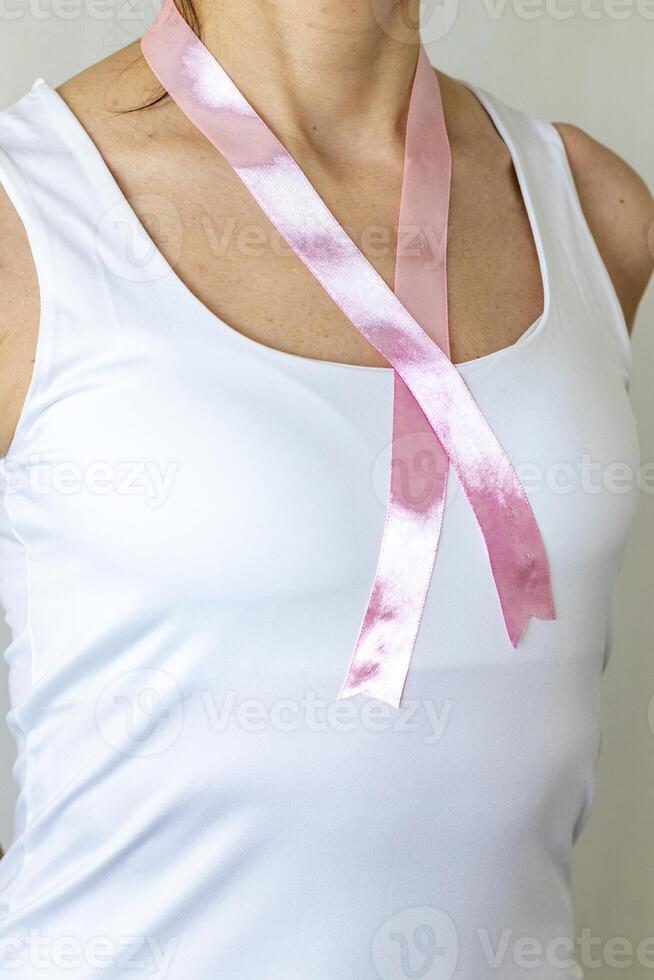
[196, 472]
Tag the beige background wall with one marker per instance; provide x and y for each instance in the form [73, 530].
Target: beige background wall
[584, 61]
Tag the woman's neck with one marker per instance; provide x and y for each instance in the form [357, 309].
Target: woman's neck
[334, 73]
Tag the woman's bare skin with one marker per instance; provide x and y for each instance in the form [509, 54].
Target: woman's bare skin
[494, 280]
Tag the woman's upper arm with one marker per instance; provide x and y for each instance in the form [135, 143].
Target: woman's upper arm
[619, 209]
[19, 318]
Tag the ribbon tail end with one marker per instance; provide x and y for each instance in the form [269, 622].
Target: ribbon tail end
[392, 699]
[516, 627]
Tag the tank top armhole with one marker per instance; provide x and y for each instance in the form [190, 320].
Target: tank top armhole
[620, 328]
[20, 197]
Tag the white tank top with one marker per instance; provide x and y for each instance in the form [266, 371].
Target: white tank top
[189, 530]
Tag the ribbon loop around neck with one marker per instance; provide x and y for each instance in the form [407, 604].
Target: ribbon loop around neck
[430, 395]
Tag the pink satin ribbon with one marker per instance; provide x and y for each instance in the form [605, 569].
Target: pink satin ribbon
[413, 519]
[434, 412]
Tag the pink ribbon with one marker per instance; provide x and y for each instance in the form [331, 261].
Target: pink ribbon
[431, 400]
[413, 522]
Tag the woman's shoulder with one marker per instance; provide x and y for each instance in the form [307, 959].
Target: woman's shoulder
[108, 98]
[619, 209]
[101, 98]
[617, 203]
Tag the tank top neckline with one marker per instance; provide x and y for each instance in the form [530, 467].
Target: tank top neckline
[110, 192]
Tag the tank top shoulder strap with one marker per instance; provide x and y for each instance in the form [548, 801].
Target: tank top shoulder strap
[581, 289]
[86, 242]
[72, 208]
[48, 166]
[45, 158]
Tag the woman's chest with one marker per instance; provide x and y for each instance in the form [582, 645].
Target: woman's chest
[235, 262]
[188, 446]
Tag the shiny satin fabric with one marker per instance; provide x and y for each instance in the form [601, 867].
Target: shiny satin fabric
[430, 394]
[413, 517]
